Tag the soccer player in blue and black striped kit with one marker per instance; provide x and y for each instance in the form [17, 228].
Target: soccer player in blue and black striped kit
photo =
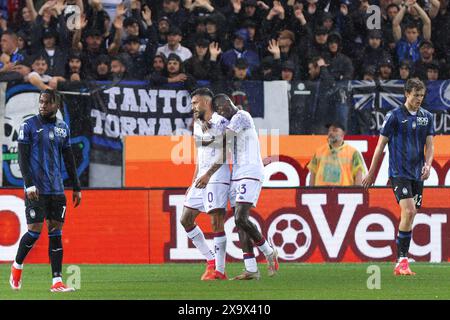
[44, 144]
[408, 130]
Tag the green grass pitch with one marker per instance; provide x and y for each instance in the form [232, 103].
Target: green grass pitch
[295, 281]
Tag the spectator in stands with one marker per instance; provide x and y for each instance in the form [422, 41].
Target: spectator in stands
[27, 19]
[163, 29]
[288, 51]
[270, 69]
[246, 10]
[162, 74]
[254, 42]
[175, 71]
[119, 68]
[74, 68]
[385, 70]
[369, 73]
[275, 20]
[340, 65]
[214, 33]
[299, 25]
[374, 52]
[312, 14]
[432, 71]
[204, 64]
[320, 109]
[239, 50]
[55, 55]
[389, 41]
[359, 18]
[102, 68]
[140, 25]
[440, 35]
[426, 49]
[131, 27]
[138, 66]
[240, 70]
[288, 71]
[174, 45]
[93, 44]
[176, 13]
[336, 163]
[49, 17]
[408, 46]
[97, 17]
[39, 77]
[23, 43]
[159, 63]
[11, 55]
[405, 70]
[159, 75]
[318, 46]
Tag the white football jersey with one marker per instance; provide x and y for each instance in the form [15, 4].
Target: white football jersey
[210, 154]
[247, 162]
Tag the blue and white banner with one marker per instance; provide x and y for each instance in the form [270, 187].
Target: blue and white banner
[379, 97]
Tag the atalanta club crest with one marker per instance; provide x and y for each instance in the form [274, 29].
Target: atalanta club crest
[444, 92]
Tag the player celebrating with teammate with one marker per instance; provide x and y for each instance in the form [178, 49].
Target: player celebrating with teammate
[210, 186]
[246, 183]
[44, 143]
[408, 130]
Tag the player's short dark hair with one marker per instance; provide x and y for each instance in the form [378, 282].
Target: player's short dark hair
[218, 98]
[54, 97]
[414, 84]
[204, 92]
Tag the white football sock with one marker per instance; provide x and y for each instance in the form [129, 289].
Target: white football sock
[220, 245]
[266, 248]
[250, 263]
[56, 280]
[198, 238]
[17, 266]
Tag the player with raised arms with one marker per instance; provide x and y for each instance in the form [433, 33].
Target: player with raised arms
[408, 130]
[210, 185]
[246, 183]
[44, 143]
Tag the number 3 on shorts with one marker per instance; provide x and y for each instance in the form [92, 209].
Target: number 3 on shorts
[242, 189]
[63, 212]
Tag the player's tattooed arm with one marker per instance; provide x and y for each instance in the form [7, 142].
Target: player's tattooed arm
[204, 179]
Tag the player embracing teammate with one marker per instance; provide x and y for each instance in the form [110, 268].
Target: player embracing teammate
[220, 126]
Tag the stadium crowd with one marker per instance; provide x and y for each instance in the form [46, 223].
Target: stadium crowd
[168, 41]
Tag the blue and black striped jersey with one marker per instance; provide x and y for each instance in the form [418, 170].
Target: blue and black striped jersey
[407, 134]
[47, 140]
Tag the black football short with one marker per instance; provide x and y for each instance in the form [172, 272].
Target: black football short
[405, 189]
[49, 207]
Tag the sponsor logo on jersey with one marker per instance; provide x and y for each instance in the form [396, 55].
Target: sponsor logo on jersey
[60, 132]
[422, 121]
